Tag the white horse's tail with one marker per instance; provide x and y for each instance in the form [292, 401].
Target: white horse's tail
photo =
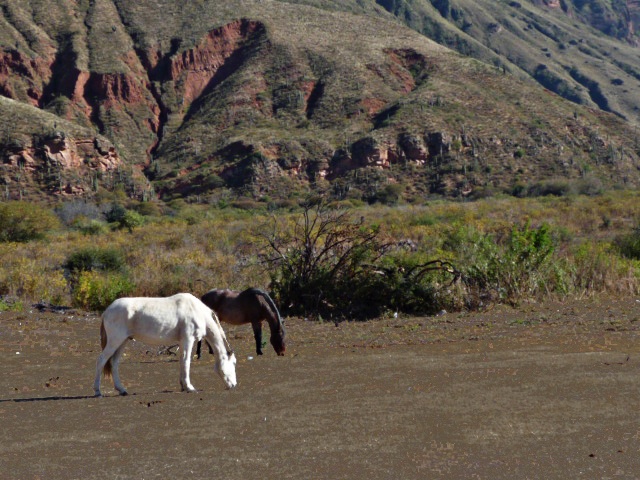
[103, 343]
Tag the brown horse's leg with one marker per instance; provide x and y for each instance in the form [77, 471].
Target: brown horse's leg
[257, 333]
[199, 348]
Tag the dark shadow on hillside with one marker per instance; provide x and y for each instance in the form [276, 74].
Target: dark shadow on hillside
[64, 73]
[314, 98]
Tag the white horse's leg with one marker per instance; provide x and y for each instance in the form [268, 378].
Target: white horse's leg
[185, 364]
[109, 351]
[100, 363]
[115, 362]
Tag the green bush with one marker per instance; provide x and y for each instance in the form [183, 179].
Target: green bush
[122, 218]
[93, 227]
[22, 221]
[116, 213]
[558, 188]
[149, 209]
[597, 268]
[406, 283]
[629, 245]
[95, 258]
[510, 270]
[96, 291]
[7, 305]
[390, 194]
[131, 220]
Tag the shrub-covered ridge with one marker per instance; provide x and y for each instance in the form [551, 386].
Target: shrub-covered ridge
[325, 261]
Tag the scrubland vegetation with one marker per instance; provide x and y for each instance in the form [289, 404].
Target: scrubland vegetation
[325, 260]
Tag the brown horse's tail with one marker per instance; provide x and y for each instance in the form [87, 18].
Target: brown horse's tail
[103, 343]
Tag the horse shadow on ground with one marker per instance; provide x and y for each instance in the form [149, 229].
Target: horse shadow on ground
[45, 399]
[83, 397]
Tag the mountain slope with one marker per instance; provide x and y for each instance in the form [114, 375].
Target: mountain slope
[584, 51]
[271, 99]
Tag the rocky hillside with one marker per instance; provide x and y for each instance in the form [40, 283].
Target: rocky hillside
[270, 99]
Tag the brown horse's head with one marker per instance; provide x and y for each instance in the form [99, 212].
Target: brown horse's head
[277, 341]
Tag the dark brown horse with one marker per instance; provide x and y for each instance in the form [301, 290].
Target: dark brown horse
[249, 306]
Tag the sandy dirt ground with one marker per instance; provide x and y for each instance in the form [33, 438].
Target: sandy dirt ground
[539, 392]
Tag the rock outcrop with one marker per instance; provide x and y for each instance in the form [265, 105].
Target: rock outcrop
[58, 164]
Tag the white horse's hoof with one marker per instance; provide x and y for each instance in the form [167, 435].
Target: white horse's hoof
[124, 393]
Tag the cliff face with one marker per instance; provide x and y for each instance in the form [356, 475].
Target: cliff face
[23, 78]
[214, 57]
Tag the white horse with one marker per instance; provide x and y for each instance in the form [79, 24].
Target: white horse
[181, 318]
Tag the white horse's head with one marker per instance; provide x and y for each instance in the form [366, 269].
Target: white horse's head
[225, 366]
